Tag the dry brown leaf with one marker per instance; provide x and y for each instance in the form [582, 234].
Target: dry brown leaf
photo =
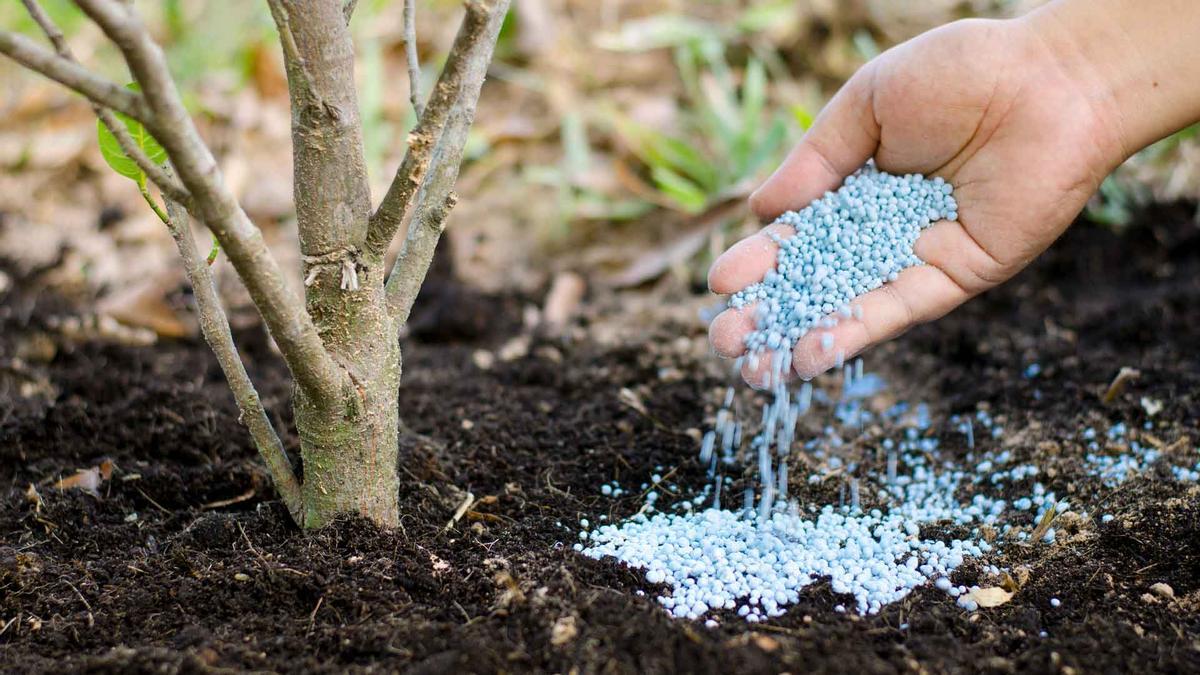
[562, 301]
[33, 497]
[766, 642]
[144, 305]
[1008, 583]
[656, 261]
[631, 399]
[87, 480]
[993, 596]
[1122, 380]
[653, 263]
[267, 71]
[563, 631]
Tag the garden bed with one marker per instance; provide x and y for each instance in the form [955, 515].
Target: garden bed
[184, 562]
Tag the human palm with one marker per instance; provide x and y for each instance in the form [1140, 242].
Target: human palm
[983, 104]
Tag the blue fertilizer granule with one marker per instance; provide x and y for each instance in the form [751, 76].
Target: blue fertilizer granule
[754, 551]
[736, 559]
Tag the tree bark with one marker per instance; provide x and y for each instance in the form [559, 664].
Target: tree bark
[342, 344]
[350, 449]
[348, 442]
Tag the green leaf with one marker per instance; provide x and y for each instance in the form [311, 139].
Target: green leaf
[656, 32]
[213, 252]
[577, 154]
[115, 156]
[678, 156]
[767, 148]
[595, 206]
[865, 44]
[681, 190]
[768, 15]
[689, 71]
[754, 93]
[658, 150]
[803, 117]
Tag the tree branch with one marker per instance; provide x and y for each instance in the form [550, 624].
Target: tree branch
[73, 76]
[157, 175]
[332, 192]
[214, 324]
[291, 52]
[474, 45]
[348, 9]
[410, 55]
[312, 367]
[437, 193]
[415, 258]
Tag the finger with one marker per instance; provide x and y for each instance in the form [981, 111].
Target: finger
[727, 332]
[747, 261]
[920, 294]
[842, 138]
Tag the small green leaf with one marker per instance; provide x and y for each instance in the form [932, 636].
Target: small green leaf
[769, 146]
[803, 117]
[115, 156]
[656, 149]
[656, 32]
[214, 252]
[681, 190]
[576, 151]
[865, 44]
[768, 15]
[754, 93]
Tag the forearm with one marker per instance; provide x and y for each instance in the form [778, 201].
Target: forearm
[1141, 58]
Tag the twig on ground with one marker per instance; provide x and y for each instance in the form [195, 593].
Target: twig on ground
[465, 506]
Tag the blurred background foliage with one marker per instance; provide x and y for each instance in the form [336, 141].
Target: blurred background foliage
[617, 139]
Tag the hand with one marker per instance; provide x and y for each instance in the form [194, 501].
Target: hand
[987, 105]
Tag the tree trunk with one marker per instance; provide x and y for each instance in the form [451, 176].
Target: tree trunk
[348, 440]
[350, 444]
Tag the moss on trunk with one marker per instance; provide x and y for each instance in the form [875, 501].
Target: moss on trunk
[350, 444]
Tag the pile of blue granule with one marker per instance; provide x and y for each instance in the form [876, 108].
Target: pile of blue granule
[755, 558]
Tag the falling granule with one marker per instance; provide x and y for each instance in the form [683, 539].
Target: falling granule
[758, 559]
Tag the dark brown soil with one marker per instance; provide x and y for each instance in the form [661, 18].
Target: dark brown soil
[156, 575]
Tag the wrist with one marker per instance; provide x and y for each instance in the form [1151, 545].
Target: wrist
[1138, 66]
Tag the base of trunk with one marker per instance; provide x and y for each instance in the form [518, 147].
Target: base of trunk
[350, 454]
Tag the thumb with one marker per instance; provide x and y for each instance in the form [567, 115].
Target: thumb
[842, 138]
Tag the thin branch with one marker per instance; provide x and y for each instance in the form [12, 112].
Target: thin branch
[157, 175]
[214, 324]
[415, 258]
[73, 76]
[475, 42]
[410, 55]
[429, 221]
[284, 314]
[291, 52]
[348, 9]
